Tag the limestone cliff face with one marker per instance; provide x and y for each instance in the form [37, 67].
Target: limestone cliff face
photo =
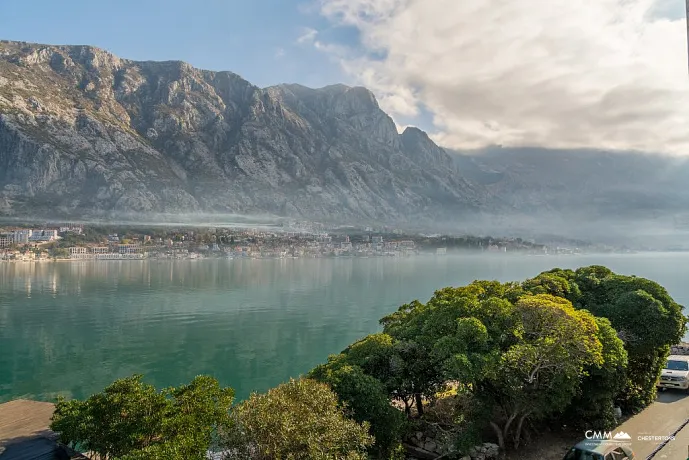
[83, 132]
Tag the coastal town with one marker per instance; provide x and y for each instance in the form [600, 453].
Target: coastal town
[81, 242]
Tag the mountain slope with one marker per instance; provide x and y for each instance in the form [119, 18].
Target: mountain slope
[600, 184]
[602, 195]
[85, 133]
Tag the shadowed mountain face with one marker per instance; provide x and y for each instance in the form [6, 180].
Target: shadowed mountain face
[585, 192]
[599, 184]
[85, 133]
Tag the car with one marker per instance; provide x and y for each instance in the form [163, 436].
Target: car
[590, 449]
[676, 373]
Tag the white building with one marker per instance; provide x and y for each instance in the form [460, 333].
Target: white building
[130, 249]
[21, 236]
[80, 253]
[76, 229]
[41, 236]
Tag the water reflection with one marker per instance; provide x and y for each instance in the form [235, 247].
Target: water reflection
[72, 327]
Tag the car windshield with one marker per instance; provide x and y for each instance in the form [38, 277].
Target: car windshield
[675, 365]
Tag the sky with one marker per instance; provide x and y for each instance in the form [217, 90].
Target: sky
[604, 74]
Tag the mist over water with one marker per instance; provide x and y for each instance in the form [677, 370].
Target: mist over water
[72, 327]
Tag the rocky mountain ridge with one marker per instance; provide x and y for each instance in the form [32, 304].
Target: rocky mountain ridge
[86, 133]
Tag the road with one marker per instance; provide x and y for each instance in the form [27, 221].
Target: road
[661, 418]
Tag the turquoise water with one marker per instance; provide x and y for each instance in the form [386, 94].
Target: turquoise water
[72, 327]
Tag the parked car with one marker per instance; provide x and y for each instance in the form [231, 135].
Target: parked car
[599, 450]
[676, 373]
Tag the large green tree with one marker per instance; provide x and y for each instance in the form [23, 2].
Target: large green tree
[298, 420]
[539, 375]
[131, 419]
[602, 384]
[646, 318]
[366, 400]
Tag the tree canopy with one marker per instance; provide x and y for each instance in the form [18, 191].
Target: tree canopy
[131, 419]
[298, 420]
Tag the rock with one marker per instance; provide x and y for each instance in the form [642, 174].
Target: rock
[492, 451]
[430, 446]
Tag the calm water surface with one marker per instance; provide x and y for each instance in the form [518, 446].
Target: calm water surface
[72, 327]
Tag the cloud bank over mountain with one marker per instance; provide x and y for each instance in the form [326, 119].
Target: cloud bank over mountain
[605, 74]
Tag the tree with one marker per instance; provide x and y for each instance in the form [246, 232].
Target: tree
[539, 375]
[602, 384]
[60, 253]
[405, 367]
[298, 420]
[554, 282]
[366, 399]
[131, 420]
[646, 318]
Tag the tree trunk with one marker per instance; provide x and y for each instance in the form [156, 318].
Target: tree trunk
[407, 408]
[419, 404]
[518, 432]
[506, 429]
[498, 433]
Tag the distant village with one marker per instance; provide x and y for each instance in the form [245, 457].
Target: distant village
[79, 242]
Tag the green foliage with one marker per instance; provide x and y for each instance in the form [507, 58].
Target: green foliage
[367, 400]
[131, 420]
[645, 317]
[298, 420]
[60, 253]
[539, 375]
[527, 351]
[602, 384]
[555, 282]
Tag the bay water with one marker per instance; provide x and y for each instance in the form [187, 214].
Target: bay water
[72, 327]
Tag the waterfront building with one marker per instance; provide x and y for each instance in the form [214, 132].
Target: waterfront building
[80, 253]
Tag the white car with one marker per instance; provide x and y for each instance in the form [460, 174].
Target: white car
[676, 373]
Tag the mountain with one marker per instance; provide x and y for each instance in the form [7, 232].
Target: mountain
[84, 133]
[598, 183]
[586, 192]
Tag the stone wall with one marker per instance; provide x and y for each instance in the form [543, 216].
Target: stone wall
[422, 447]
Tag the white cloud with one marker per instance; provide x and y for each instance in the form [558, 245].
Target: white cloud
[557, 73]
[279, 53]
[308, 35]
